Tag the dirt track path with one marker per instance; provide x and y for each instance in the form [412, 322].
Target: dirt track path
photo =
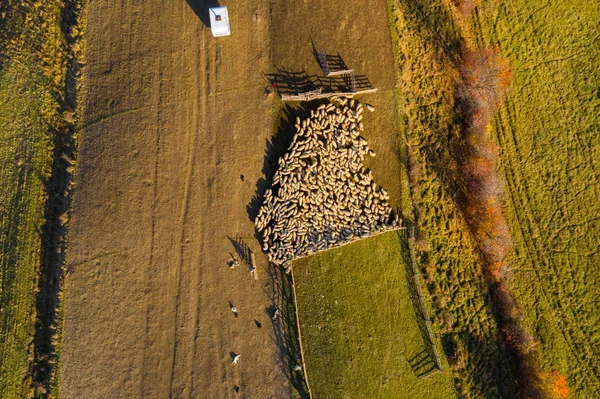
[172, 117]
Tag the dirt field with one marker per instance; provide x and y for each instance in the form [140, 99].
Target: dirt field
[172, 118]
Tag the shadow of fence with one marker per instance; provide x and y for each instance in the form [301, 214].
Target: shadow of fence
[362, 83]
[422, 364]
[285, 329]
[427, 362]
[242, 249]
[289, 82]
[329, 63]
[286, 82]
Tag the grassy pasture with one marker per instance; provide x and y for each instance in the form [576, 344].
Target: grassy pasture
[427, 44]
[361, 336]
[548, 136]
[32, 74]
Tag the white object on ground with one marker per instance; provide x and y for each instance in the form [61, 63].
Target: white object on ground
[275, 315]
[236, 359]
[233, 263]
[219, 21]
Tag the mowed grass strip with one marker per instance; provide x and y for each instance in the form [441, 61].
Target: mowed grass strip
[359, 329]
[32, 73]
[548, 135]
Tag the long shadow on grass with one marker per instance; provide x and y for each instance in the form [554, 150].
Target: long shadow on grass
[434, 24]
[10, 260]
[424, 362]
[54, 232]
[285, 329]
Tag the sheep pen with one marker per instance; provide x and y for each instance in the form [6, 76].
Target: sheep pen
[322, 196]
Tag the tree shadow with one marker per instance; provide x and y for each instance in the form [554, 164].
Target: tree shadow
[459, 348]
[439, 26]
[59, 189]
[434, 23]
[200, 8]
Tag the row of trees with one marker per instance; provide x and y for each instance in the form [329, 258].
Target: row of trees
[485, 79]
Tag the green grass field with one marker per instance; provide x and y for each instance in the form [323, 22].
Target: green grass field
[547, 133]
[361, 335]
[427, 43]
[549, 138]
[32, 73]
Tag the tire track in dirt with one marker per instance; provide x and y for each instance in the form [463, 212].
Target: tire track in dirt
[151, 265]
[200, 103]
[202, 81]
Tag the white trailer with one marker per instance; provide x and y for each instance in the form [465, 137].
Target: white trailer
[219, 21]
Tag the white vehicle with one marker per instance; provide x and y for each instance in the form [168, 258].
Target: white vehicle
[219, 21]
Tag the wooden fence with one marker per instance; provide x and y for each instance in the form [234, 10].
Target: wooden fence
[424, 312]
[318, 94]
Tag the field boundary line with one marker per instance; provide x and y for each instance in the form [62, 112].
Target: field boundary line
[424, 310]
[300, 334]
[351, 241]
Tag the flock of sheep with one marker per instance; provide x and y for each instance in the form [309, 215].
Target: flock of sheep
[322, 196]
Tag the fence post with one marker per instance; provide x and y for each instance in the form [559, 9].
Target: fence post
[253, 264]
